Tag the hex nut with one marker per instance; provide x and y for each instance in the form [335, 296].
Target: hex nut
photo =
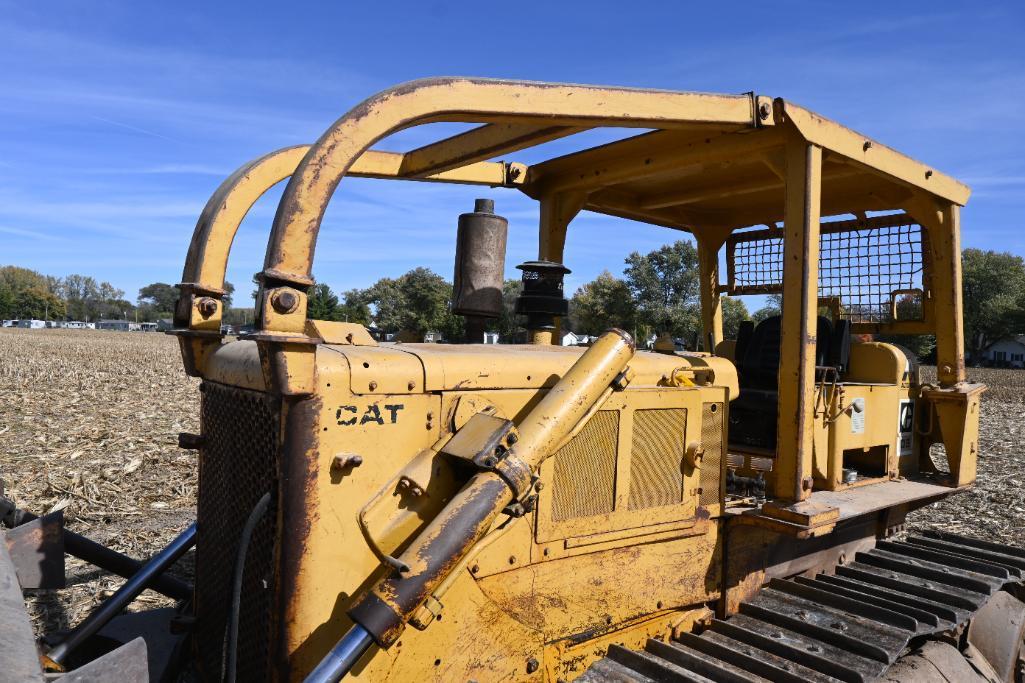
[207, 306]
[284, 301]
[532, 665]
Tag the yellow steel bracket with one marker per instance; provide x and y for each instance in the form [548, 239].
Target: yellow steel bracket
[197, 317]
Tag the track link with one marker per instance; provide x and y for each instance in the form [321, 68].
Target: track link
[848, 626]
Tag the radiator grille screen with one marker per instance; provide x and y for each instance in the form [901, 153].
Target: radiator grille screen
[656, 461]
[238, 464]
[711, 462]
[585, 470]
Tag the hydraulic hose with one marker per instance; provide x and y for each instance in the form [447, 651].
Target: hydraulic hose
[231, 641]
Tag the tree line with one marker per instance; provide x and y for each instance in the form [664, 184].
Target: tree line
[657, 292]
[410, 305]
[660, 292]
[27, 294]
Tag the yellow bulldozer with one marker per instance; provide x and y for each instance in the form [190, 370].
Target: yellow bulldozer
[535, 512]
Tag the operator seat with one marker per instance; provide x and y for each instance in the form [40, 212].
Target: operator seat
[757, 353]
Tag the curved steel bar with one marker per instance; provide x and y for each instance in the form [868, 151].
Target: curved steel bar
[293, 238]
[215, 231]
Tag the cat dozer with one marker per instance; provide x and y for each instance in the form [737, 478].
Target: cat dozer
[533, 512]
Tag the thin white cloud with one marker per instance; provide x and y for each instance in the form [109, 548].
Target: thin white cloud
[34, 234]
[133, 128]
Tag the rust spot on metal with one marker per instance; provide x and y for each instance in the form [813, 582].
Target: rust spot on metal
[299, 468]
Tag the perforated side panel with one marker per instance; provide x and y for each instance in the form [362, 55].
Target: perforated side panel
[656, 460]
[711, 463]
[238, 465]
[585, 470]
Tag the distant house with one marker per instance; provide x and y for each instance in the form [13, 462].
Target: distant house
[165, 324]
[32, 324]
[432, 337]
[77, 325]
[119, 325]
[148, 327]
[574, 339]
[491, 337]
[1006, 353]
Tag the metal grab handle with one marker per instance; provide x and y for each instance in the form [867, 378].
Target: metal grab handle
[223, 213]
[207, 259]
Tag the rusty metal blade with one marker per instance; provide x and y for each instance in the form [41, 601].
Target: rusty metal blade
[37, 551]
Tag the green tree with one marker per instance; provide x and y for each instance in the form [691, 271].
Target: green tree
[992, 284]
[764, 312]
[322, 303]
[25, 293]
[355, 307]
[6, 301]
[416, 303]
[157, 301]
[88, 300]
[22, 278]
[602, 303]
[37, 303]
[81, 295]
[508, 324]
[734, 312]
[773, 306]
[665, 286]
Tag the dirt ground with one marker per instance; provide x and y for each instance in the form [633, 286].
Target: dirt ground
[89, 423]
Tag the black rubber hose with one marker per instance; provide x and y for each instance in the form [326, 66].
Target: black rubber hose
[231, 644]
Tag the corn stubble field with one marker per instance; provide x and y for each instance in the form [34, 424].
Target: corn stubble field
[89, 423]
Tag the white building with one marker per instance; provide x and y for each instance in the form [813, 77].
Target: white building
[32, 324]
[574, 339]
[1006, 353]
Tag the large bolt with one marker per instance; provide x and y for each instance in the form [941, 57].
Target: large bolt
[207, 306]
[532, 665]
[345, 460]
[284, 301]
[764, 110]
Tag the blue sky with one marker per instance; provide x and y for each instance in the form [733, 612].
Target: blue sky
[118, 119]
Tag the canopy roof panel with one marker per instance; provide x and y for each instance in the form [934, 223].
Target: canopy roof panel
[712, 160]
[704, 161]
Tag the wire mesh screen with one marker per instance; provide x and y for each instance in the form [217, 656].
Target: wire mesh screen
[871, 268]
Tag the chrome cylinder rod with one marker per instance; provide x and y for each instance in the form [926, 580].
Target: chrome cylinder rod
[156, 566]
[342, 656]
